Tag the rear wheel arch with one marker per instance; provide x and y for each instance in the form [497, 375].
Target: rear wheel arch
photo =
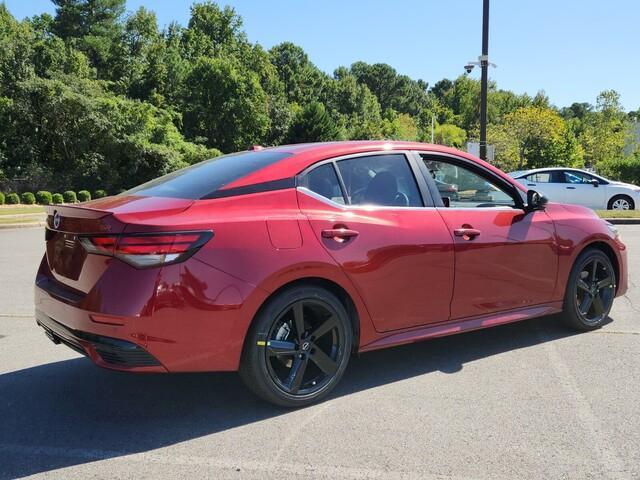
[329, 285]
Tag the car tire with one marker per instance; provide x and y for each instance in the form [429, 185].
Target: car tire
[298, 347]
[590, 291]
[618, 202]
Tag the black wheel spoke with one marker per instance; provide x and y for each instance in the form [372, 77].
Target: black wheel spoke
[328, 325]
[583, 285]
[323, 361]
[585, 304]
[604, 283]
[594, 270]
[281, 348]
[298, 318]
[598, 307]
[294, 380]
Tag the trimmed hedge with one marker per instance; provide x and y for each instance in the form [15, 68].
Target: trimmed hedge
[70, 196]
[43, 197]
[57, 198]
[13, 199]
[100, 194]
[84, 196]
[1, 198]
[28, 198]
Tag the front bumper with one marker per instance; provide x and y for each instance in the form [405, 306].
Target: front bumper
[107, 352]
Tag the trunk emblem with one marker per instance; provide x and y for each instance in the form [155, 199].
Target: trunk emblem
[56, 219]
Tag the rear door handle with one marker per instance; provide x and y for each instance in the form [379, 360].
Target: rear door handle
[571, 188]
[466, 233]
[339, 235]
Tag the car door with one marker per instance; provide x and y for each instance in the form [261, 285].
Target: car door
[549, 183]
[583, 189]
[368, 213]
[505, 257]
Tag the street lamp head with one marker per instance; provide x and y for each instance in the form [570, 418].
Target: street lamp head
[468, 68]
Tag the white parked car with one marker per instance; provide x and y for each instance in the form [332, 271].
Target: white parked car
[570, 185]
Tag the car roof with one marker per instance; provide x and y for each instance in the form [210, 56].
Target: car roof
[522, 173]
[306, 154]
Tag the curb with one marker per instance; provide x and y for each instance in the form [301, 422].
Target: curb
[11, 226]
[623, 221]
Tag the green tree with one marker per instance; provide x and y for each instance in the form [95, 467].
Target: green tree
[212, 31]
[314, 124]
[450, 135]
[303, 81]
[225, 105]
[534, 137]
[91, 25]
[398, 92]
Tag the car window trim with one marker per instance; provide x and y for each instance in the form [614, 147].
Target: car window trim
[485, 173]
[425, 197]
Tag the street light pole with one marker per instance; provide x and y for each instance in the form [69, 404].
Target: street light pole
[484, 66]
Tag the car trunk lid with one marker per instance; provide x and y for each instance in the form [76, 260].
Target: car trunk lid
[68, 260]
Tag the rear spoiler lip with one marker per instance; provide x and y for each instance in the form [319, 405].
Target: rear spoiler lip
[79, 211]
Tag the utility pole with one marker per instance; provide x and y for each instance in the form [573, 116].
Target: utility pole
[484, 66]
[433, 121]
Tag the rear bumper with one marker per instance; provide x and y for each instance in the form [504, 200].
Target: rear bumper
[187, 317]
[106, 352]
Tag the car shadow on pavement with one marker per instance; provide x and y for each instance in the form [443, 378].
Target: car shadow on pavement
[70, 412]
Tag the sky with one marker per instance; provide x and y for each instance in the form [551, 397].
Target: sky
[571, 49]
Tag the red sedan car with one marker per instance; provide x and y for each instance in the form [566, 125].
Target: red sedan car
[281, 262]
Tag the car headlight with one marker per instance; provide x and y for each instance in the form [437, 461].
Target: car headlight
[614, 230]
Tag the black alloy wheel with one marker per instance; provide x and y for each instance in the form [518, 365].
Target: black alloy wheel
[590, 291]
[298, 348]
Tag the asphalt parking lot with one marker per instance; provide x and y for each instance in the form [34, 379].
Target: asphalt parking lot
[529, 400]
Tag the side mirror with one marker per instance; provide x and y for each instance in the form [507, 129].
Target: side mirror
[595, 182]
[535, 201]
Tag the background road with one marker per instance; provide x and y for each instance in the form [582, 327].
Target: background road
[529, 400]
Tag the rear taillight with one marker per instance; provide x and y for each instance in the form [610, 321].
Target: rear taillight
[147, 250]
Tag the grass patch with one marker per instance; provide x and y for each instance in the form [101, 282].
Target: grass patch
[20, 209]
[618, 213]
[6, 220]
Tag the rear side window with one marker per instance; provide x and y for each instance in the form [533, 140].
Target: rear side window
[385, 180]
[541, 177]
[324, 181]
[204, 179]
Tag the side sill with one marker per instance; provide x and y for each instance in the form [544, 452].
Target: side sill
[460, 326]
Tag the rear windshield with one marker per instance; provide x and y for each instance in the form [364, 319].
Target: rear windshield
[205, 178]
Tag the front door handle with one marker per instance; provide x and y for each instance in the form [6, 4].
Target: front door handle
[571, 188]
[340, 234]
[466, 233]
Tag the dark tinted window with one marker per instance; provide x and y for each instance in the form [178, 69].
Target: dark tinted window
[380, 180]
[324, 181]
[205, 178]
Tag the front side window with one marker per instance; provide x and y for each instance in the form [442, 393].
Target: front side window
[385, 180]
[471, 189]
[578, 177]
